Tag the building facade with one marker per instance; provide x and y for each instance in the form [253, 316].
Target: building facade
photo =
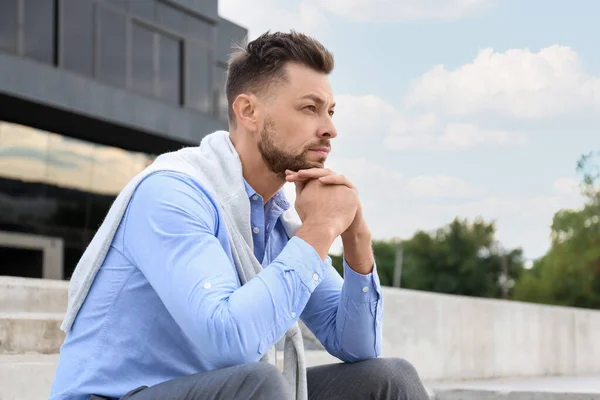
[90, 92]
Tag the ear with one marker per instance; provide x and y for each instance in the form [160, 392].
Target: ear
[247, 111]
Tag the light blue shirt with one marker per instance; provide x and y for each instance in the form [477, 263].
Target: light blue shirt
[167, 301]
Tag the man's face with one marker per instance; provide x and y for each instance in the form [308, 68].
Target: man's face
[297, 126]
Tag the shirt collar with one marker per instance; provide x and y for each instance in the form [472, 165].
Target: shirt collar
[278, 199]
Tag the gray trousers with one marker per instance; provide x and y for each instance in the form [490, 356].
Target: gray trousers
[382, 378]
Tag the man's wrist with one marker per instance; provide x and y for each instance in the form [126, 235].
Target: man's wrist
[357, 231]
[358, 250]
[320, 235]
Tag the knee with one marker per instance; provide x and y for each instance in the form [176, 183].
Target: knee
[394, 367]
[400, 377]
[266, 381]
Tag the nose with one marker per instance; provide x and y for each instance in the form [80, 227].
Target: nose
[328, 129]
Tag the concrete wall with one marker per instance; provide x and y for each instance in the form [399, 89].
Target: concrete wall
[455, 337]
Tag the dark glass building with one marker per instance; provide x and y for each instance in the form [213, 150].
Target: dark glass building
[90, 92]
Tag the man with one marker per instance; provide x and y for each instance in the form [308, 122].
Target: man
[174, 311]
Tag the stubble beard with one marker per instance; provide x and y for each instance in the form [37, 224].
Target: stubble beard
[277, 160]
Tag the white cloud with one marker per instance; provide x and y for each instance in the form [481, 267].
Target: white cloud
[518, 83]
[370, 118]
[568, 186]
[260, 16]
[520, 220]
[396, 205]
[439, 186]
[402, 10]
[365, 116]
[421, 133]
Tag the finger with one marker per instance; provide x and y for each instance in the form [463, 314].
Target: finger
[336, 180]
[314, 173]
[296, 178]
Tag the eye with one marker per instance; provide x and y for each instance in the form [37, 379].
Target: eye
[331, 113]
[312, 108]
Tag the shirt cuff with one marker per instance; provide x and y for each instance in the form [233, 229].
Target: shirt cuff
[361, 288]
[304, 259]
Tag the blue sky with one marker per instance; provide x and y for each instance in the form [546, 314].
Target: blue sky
[455, 108]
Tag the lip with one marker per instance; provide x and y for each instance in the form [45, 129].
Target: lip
[323, 152]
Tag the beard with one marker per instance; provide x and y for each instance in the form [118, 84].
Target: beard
[278, 161]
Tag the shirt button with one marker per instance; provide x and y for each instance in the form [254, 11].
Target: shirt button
[315, 277]
[293, 315]
[207, 285]
[255, 229]
[365, 289]
[255, 197]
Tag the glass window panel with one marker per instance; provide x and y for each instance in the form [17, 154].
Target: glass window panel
[77, 36]
[198, 29]
[69, 162]
[139, 161]
[144, 9]
[71, 256]
[9, 22]
[112, 46]
[39, 30]
[169, 69]
[198, 85]
[170, 17]
[18, 261]
[142, 60]
[123, 3]
[22, 173]
[112, 170]
[221, 104]
[23, 152]
[69, 168]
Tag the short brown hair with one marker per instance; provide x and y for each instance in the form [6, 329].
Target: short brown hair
[259, 64]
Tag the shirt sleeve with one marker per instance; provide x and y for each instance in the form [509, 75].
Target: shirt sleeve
[171, 236]
[346, 314]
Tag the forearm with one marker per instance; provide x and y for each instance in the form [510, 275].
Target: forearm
[358, 250]
[234, 324]
[345, 317]
[243, 324]
[360, 315]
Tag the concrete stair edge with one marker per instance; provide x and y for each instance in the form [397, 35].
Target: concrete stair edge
[22, 332]
[33, 295]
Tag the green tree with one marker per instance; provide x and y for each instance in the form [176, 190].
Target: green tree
[385, 258]
[460, 258]
[569, 274]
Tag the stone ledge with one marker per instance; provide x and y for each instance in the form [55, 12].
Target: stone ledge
[30, 332]
[32, 295]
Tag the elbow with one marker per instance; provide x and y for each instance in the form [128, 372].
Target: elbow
[354, 351]
[230, 341]
[357, 355]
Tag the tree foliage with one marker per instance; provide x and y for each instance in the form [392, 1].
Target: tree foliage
[462, 257]
[465, 258]
[569, 274]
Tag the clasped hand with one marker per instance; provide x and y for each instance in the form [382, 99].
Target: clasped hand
[324, 197]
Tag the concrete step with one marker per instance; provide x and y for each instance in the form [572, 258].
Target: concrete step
[29, 377]
[33, 295]
[473, 394]
[22, 332]
[526, 388]
[26, 377]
